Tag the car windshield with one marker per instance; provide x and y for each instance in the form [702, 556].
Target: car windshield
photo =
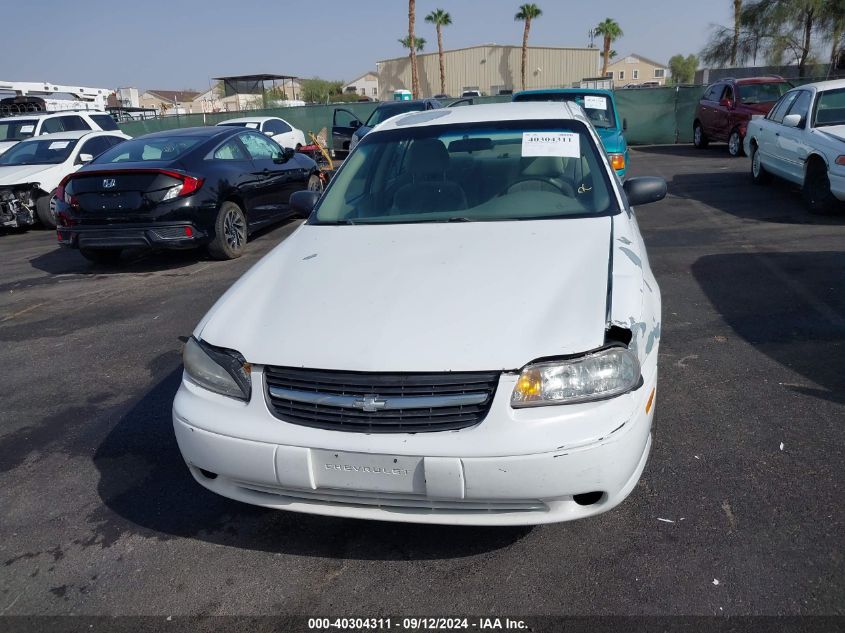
[149, 149]
[254, 125]
[384, 112]
[830, 108]
[598, 107]
[17, 130]
[750, 94]
[39, 152]
[513, 170]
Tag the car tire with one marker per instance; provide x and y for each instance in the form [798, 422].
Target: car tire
[43, 211]
[230, 232]
[735, 147]
[816, 191]
[699, 138]
[101, 256]
[315, 183]
[759, 175]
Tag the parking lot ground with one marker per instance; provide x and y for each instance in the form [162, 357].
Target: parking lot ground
[739, 511]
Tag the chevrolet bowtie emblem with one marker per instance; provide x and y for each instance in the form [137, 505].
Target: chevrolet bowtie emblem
[369, 403]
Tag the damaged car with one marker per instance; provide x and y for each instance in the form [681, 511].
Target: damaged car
[30, 173]
[465, 331]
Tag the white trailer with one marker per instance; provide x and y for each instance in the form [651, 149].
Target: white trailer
[31, 96]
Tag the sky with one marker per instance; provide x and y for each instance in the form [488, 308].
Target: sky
[181, 44]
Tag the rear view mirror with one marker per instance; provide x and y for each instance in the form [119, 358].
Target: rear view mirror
[792, 120]
[726, 103]
[302, 203]
[644, 190]
[355, 124]
[86, 158]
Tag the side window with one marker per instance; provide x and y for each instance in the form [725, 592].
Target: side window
[712, 93]
[779, 111]
[260, 147]
[728, 93]
[53, 125]
[114, 140]
[230, 150]
[801, 106]
[95, 146]
[72, 123]
[104, 121]
[275, 126]
[344, 118]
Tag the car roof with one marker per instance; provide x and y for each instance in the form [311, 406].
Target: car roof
[385, 104]
[520, 111]
[206, 131]
[71, 136]
[760, 80]
[250, 119]
[833, 84]
[564, 91]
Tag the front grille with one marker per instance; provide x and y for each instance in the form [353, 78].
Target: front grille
[367, 402]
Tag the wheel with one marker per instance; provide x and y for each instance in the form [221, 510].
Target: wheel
[101, 256]
[298, 147]
[315, 183]
[229, 232]
[759, 175]
[816, 190]
[44, 210]
[735, 147]
[699, 138]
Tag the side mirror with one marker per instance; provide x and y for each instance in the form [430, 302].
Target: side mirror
[302, 203]
[285, 156]
[355, 124]
[86, 158]
[624, 125]
[726, 103]
[644, 190]
[792, 120]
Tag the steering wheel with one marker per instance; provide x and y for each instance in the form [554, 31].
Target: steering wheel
[545, 181]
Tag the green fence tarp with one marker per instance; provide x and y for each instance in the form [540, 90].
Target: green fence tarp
[654, 115]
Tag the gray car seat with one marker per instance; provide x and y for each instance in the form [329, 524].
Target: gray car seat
[428, 189]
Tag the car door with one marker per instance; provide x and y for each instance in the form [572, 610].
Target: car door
[707, 109]
[344, 124]
[721, 121]
[280, 132]
[791, 142]
[236, 171]
[273, 187]
[770, 135]
[93, 147]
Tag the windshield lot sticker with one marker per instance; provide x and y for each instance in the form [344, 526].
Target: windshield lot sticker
[27, 129]
[59, 144]
[563, 144]
[253, 126]
[595, 103]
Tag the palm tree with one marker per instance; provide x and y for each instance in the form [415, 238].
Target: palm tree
[610, 31]
[527, 12]
[412, 48]
[440, 18]
[737, 25]
[419, 45]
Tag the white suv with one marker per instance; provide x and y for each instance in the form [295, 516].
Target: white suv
[16, 129]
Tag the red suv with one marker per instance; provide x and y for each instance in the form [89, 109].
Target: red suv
[727, 106]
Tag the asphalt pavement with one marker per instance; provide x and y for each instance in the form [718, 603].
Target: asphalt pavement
[739, 510]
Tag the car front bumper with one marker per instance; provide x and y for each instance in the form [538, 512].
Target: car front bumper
[517, 467]
[179, 235]
[837, 185]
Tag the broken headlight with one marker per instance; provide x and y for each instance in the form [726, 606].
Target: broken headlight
[219, 370]
[596, 376]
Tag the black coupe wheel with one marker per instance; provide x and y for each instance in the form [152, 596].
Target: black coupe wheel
[230, 233]
[101, 256]
[735, 144]
[816, 190]
[699, 138]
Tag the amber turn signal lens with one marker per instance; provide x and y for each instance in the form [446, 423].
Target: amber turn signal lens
[617, 161]
[650, 401]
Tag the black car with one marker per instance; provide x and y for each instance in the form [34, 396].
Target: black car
[185, 188]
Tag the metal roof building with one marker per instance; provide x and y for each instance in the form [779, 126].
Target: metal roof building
[490, 68]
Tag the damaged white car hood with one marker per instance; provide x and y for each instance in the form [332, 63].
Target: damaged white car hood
[20, 174]
[421, 297]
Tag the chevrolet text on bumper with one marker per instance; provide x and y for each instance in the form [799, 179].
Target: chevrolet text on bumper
[469, 341]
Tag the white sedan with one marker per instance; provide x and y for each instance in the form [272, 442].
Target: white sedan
[465, 331]
[278, 129]
[31, 170]
[802, 140]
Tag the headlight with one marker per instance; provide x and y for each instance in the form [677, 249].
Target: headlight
[597, 376]
[219, 370]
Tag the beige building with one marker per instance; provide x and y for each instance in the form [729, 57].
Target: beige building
[169, 100]
[489, 68]
[364, 86]
[636, 70]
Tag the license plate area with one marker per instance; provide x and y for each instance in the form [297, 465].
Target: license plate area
[366, 472]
